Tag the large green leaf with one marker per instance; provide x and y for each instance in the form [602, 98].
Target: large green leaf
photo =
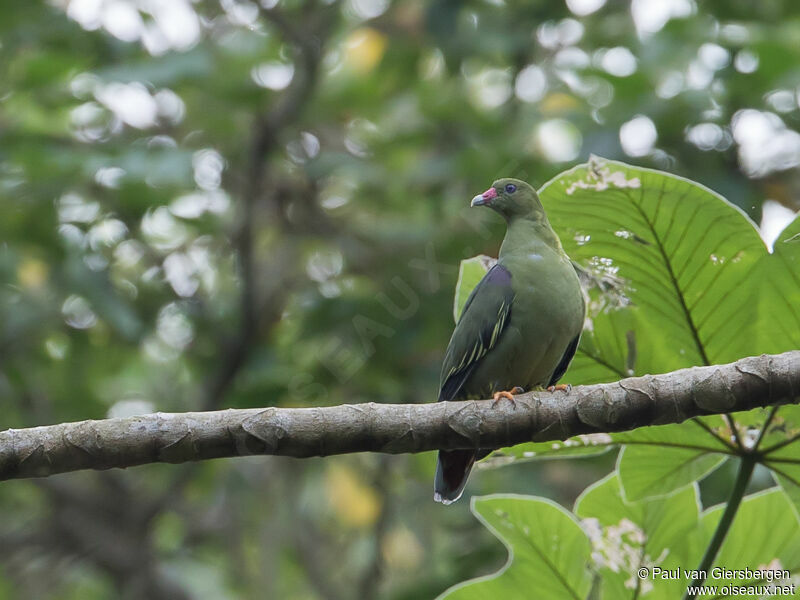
[788, 478]
[683, 252]
[470, 272]
[764, 532]
[580, 445]
[700, 442]
[660, 460]
[778, 327]
[630, 535]
[547, 551]
[778, 441]
[603, 355]
[649, 471]
[782, 452]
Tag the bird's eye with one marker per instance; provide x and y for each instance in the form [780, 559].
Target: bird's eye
[510, 188]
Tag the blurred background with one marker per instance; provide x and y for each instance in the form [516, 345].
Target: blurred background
[221, 203]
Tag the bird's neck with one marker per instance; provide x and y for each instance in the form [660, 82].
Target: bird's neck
[525, 236]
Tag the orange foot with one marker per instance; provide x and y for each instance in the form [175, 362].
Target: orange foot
[562, 387]
[507, 395]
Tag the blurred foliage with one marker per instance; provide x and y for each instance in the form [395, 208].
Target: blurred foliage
[225, 204]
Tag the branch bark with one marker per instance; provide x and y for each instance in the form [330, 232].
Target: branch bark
[399, 428]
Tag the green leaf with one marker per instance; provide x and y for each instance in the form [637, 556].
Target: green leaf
[548, 551]
[683, 437]
[779, 442]
[602, 355]
[782, 451]
[580, 445]
[779, 445]
[710, 434]
[649, 471]
[660, 460]
[627, 536]
[470, 272]
[663, 520]
[683, 252]
[788, 478]
[778, 327]
[764, 532]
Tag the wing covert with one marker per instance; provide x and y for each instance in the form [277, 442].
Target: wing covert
[485, 316]
[563, 364]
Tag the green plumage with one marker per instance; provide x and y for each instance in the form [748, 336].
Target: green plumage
[519, 327]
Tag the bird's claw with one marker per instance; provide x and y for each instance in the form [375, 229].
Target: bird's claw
[508, 395]
[562, 387]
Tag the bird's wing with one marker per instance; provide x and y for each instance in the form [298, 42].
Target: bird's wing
[561, 368]
[485, 315]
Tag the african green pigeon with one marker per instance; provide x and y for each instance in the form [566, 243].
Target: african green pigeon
[520, 325]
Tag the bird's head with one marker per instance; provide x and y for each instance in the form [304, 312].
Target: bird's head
[512, 199]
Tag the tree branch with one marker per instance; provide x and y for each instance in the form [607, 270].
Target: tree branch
[397, 428]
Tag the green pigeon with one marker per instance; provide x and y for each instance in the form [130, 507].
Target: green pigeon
[520, 326]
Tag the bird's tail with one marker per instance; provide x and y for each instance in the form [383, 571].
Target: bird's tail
[452, 472]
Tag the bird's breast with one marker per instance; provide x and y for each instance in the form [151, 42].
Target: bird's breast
[548, 313]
